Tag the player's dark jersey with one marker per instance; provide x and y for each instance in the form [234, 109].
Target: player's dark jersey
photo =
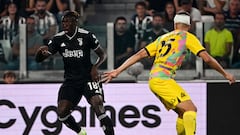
[75, 52]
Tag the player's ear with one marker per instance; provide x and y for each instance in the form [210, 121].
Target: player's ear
[76, 20]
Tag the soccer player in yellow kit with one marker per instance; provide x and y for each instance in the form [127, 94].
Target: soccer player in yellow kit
[169, 51]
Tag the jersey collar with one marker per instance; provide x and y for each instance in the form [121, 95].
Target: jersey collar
[72, 35]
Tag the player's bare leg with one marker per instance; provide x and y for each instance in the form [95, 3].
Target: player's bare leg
[64, 114]
[186, 122]
[106, 123]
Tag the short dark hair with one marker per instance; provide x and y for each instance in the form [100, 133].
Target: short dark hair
[120, 18]
[40, 1]
[9, 74]
[12, 2]
[30, 17]
[73, 14]
[183, 2]
[157, 14]
[141, 3]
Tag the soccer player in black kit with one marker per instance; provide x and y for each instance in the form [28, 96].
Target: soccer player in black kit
[81, 77]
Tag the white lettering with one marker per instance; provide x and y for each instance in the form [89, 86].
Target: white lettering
[74, 53]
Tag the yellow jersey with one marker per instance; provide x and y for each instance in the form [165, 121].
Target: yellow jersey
[169, 51]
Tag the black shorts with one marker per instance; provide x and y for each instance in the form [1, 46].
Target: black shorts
[74, 90]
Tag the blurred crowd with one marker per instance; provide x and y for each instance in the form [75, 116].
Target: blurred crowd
[43, 19]
[152, 19]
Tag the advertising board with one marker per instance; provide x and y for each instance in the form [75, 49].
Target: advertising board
[30, 109]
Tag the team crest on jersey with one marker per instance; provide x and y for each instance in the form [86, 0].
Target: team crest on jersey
[63, 45]
[80, 41]
[50, 41]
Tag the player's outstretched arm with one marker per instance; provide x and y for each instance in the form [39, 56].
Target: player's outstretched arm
[108, 76]
[215, 65]
[42, 53]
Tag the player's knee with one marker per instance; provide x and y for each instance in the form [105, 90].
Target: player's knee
[63, 112]
[181, 111]
[186, 106]
[96, 101]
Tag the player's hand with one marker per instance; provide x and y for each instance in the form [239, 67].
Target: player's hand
[44, 50]
[42, 53]
[230, 77]
[108, 76]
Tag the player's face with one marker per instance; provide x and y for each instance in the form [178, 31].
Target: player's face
[69, 24]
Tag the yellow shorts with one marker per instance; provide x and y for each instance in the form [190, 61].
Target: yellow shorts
[168, 91]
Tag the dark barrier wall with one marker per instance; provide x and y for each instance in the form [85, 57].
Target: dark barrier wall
[223, 107]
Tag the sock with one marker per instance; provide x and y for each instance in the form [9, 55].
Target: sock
[180, 127]
[70, 122]
[189, 122]
[106, 124]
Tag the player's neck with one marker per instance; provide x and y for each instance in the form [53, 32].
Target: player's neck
[72, 32]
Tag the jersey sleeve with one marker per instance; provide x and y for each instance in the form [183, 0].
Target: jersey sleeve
[94, 42]
[229, 37]
[193, 44]
[53, 45]
[152, 47]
